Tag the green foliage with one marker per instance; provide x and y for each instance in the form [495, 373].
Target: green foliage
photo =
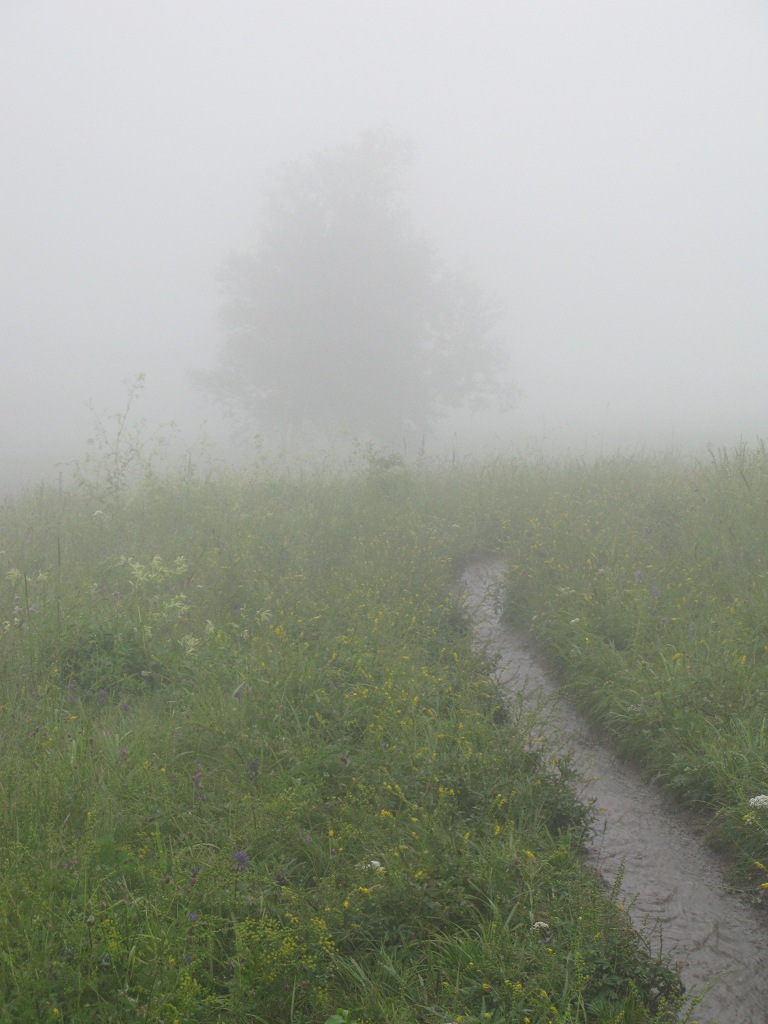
[253, 769]
[341, 1017]
[647, 585]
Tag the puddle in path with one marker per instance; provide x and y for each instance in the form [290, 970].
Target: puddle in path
[669, 877]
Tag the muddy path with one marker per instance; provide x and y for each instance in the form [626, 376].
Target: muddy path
[674, 885]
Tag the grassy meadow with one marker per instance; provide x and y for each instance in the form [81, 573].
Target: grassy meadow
[253, 769]
[646, 586]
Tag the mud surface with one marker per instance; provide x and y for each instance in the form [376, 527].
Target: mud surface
[674, 885]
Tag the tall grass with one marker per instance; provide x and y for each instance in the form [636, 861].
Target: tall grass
[646, 583]
[253, 769]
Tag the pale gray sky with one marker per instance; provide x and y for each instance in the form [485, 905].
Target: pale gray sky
[601, 166]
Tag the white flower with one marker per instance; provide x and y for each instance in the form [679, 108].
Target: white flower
[373, 865]
[575, 621]
[759, 801]
[540, 925]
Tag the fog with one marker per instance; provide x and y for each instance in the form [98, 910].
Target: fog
[600, 166]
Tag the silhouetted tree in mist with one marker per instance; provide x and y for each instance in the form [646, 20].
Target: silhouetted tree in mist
[342, 318]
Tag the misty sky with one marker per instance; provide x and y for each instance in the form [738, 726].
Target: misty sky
[602, 167]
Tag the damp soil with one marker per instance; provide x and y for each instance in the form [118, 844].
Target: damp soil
[673, 885]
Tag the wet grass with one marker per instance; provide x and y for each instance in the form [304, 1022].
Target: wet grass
[253, 769]
[646, 585]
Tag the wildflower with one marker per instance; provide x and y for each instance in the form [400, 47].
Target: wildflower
[241, 858]
[373, 865]
[190, 644]
[540, 925]
[759, 801]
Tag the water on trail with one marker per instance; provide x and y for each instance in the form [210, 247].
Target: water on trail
[673, 884]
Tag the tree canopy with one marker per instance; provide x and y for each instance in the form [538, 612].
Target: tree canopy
[342, 318]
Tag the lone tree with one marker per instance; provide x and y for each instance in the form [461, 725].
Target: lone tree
[342, 318]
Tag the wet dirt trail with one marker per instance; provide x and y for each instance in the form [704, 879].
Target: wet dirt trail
[674, 885]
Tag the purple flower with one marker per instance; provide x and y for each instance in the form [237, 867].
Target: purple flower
[192, 916]
[241, 858]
